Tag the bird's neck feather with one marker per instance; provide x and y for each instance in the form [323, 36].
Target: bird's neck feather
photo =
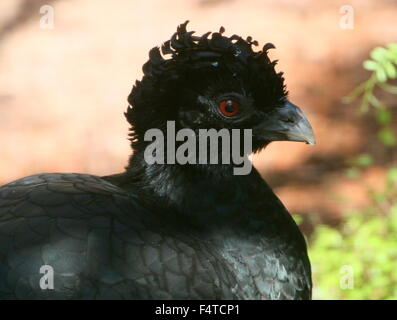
[198, 190]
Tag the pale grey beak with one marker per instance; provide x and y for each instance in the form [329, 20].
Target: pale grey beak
[286, 123]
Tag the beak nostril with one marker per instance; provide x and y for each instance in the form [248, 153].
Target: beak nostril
[287, 120]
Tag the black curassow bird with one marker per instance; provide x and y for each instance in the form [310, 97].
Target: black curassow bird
[167, 231]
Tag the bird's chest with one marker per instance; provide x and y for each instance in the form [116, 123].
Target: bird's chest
[260, 267]
[219, 263]
[226, 251]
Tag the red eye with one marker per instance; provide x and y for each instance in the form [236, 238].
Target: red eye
[228, 108]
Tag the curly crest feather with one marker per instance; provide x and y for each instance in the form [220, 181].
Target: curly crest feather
[187, 59]
[184, 46]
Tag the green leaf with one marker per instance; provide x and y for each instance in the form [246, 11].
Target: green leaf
[392, 52]
[388, 87]
[379, 54]
[392, 47]
[393, 208]
[387, 137]
[353, 173]
[370, 65]
[383, 116]
[363, 160]
[364, 106]
[392, 175]
[375, 102]
[381, 75]
[390, 69]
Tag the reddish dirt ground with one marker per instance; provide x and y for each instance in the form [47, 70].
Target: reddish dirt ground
[63, 90]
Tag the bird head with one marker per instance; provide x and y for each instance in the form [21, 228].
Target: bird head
[214, 81]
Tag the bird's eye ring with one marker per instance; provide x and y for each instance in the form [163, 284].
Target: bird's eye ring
[228, 108]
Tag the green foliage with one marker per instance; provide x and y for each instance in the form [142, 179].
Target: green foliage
[357, 164]
[383, 65]
[358, 259]
[367, 243]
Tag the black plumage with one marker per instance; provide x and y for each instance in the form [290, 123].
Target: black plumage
[167, 231]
